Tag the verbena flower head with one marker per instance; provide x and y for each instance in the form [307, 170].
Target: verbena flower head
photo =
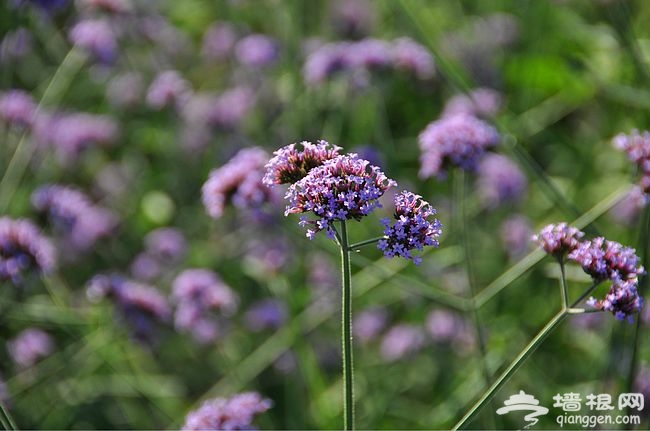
[218, 41]
[459, 140]
[17, 108]
[500, 180]
[23, 250]
[73, 215]
[142, 306]
[343, 188]
[166, 244]
[198, 293]
[256, 50]
[401, 340]
[292, 163]
[235, 413]
[558, 239]
[622, 300]
[96, 37]
[238, 181]
[637, 147]
[29, 346]
[412, 228]
[266, 314]
[603, 259]
[481, 102]
[169, 88]
[369, 323]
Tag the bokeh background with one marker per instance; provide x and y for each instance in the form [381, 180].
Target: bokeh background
[127, 106]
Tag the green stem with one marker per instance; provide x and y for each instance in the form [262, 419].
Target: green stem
[366, 242]
[346, 331]
[512, 368]
[564, 291]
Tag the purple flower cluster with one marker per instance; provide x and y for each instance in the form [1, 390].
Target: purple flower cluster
[141, 306]
[224, 111]
[163, 246]
[71, 213]
[500, 180]
[637, 147]
[515, 235]
[447, 327]
[234, 413]
[256, 50]
[266, 314]
[97, 37]
[198, 293]
[343, 188]
[71, 133]
[481, 102]
[367, 54]
[17, 108]
[291, 163]
[29, 346]
[22, 250]
[239, 181]
[558, 239]
[168, 88]
[628, 209]
[609, 260]
[218, 41]
[369, 323]
[412, 229]
[402, 340]
[458, 140]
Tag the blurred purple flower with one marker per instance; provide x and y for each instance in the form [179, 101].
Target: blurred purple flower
[412, 229]
[16, 44]
[111, 6]
[558, 239]
[256, 50]
[17, 108]
[169, 88]
[145, 267]
[97, 37]
[233, 182]
[166, 244]
[266, 314]
[516, 231]
[369, 53]
[481, 102]
[125, 90]
[401, 340]
[353, 18]
[198, 293]
[142, 306]
[323, 62]
[29, 346]
[448, 327]
[235, 413]
[290, 164]
[369, 323]
[343, 188]
[268, 255]
[48, 6]
[411, 56]
[218, 41]
[500, 180]
[460, 140]
[71, 134]
[223, 111]
[23, 249]
[637, 147]
[628, 209]
[73, 215]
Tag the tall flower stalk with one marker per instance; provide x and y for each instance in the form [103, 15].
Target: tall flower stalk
[336, 188]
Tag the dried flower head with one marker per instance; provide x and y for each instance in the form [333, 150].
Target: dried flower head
[412, 229]
[558, 239]
[343, 188]
[291, 163]
[235, 413]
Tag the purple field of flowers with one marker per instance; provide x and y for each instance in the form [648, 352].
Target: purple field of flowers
[324, 214]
